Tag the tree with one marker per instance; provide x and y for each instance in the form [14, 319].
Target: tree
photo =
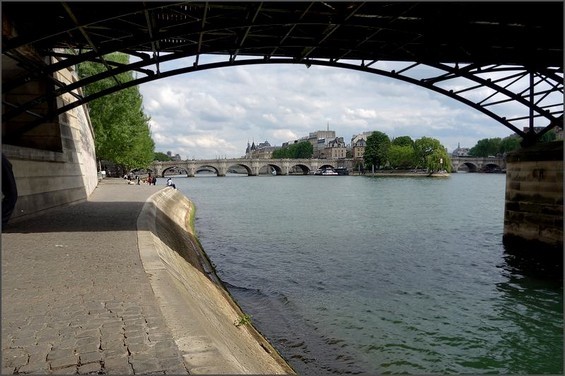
[280, 153]
[403, 141]
[376, 149]
[162, 157]
[549, 136]
[303, 149]
[122, 133]
[431, 154]
[486, 147]
[509, 144]
[401, 156]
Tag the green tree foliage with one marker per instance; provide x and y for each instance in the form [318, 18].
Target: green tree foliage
[401, 156]
[122, 133]
[161, 157]
[376, 149]
[430, 154]
[497, 146]
[486, 147]
[403, 141]
[509, 144]
[300, 150]
[549, 136]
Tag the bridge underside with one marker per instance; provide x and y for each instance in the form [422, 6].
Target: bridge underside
[483, 54]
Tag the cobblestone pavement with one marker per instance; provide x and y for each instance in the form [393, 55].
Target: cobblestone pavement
[75, 296]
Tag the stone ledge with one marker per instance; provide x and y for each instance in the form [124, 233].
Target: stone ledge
[196, 306]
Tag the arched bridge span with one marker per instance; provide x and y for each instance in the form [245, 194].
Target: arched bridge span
[284, 166]
[252, 166]
[482, 54]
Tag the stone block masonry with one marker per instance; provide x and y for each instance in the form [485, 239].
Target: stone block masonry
[533, 215]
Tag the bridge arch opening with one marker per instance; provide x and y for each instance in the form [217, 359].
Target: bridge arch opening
[299, 169]
[492, 168]
[326, 166]
[468, 167]
[174, 170]
[239, 168]
[204, 170]
[270, 169]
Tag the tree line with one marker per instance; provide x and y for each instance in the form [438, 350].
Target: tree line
[404, 153]
[300, 150]
[121, 128]
[500, 146]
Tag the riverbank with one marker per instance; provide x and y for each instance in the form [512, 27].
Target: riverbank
[408, 173]
[118, 284]
[212, 332]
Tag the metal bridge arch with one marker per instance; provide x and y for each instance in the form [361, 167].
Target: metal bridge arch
[483, 56]
[542, 101]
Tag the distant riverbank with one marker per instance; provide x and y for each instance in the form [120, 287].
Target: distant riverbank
[409, 173]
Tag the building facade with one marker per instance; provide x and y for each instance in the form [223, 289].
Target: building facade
[358, 145]
[263, 150]
[334, 149]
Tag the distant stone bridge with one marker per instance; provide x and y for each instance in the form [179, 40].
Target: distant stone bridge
[252, 166]
[475, 164]
[304, 166]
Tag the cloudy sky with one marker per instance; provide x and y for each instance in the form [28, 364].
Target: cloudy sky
[215, 113]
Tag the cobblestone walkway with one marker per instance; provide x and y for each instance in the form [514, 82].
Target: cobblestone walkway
[75, 296]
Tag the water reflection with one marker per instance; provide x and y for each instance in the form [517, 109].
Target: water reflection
[534, 260]
[530, 331]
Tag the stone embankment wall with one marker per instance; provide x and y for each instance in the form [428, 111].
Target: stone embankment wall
[196, 306]
[533, 215]
[46, 179]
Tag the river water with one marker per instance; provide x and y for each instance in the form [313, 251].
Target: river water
[376, 275]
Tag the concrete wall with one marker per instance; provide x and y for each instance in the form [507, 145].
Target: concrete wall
[196, 306]
[47, 179]
[533, 213]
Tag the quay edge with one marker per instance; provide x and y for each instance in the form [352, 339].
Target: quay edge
[197, 307]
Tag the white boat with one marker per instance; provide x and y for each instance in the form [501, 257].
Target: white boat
[329, 172]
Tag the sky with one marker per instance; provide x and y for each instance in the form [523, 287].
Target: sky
[214, 113]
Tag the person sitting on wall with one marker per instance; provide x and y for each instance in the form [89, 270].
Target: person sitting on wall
[170, 183]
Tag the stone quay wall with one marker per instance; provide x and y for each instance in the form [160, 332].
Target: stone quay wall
[46, 179]
[534, 197]
[209, 327]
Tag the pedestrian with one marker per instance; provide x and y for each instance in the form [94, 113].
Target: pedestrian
[170, 183]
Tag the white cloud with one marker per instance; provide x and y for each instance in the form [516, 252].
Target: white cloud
[215, 112]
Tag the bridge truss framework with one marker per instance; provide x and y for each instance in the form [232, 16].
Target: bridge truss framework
[486, 55]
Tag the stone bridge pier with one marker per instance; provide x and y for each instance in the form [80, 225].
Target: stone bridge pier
[533, 215]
